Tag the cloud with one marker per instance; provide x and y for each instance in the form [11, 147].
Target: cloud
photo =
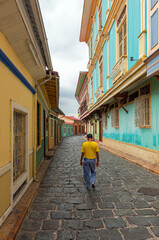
[62, 20]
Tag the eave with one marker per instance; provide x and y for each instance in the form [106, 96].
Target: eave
[82, 77]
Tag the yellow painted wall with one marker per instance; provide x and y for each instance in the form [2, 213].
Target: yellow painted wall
[12, 90]
[5, 191]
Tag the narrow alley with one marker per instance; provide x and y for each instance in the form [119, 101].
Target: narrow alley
[124, 204]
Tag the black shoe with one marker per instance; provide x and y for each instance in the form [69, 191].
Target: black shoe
[93, 186]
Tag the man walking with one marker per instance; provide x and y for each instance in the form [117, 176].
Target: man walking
[90, 151]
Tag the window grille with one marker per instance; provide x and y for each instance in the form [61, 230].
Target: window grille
[145, 90]
[18, 144]
[111, 106]
[115, 118]
[142, 111]
[104, 121]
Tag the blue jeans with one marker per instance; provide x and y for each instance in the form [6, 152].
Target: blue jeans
[89, 166]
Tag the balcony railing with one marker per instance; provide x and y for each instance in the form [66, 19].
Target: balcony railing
[119, 68]
[97, 39]
[90, 103]
[99, 92]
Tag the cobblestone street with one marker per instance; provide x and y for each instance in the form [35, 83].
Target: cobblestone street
[121, 207]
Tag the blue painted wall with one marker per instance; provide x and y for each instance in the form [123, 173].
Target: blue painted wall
[104, 9]
[112, 50]
[134, 30]
[129, 133]
[105, 66]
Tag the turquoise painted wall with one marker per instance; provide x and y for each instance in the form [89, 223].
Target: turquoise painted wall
[97, 75]
[134, 29]
[112, 50]
[129, 133]
[104, 9]
[94, 85]
[93, 39]
[40, 154]
[96, 23]
[105, 66]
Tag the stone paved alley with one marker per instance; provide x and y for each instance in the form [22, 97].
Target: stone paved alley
[118, 208]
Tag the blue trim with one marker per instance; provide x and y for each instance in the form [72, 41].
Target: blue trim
[7, 62]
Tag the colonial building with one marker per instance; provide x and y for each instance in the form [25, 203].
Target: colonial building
[123, 75]
[29, 96]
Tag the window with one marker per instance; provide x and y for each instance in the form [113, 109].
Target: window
[115, 117]
[92, 87]
[133, 95]
[71, 130]
[100, 16]
[91, 52]
[154, 29]
[38, 124]
[104, 120]
[51, 128]
[95, 127]
[153, 2]
[143, 108]
[68, 131]
[64, 131]
[101, 71]
[123, 40]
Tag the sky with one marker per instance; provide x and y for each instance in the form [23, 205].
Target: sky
[62, 20]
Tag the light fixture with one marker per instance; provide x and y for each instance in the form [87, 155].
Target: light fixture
[132, 59]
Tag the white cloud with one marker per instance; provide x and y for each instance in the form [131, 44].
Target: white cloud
[62, 20]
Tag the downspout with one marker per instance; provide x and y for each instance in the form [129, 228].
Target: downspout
[46, 80]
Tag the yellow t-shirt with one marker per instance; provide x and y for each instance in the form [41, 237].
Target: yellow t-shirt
[89, 149]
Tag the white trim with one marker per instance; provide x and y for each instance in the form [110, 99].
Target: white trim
[5, 215]
[5, 169]
[24, 110]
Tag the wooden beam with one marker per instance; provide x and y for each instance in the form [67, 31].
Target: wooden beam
[157, 77]
[122, 95]
[106, 114]
[120, 105]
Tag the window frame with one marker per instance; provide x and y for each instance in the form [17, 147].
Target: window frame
[38, 139]
[155, 13]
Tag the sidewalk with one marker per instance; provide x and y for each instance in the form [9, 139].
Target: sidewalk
[12, 224]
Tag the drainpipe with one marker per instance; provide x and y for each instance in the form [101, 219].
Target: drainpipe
[46, 80]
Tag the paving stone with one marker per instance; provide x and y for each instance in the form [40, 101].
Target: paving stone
[106, 205]
[61, 215]
[136, 233]
[145, 212]
[155, 231]
[72, 224]
[114, 223]
[109, 235]
[57, 200]
[94, 224]
[92, 200]
[87, 235]
[83, 215]
[87, 206]
[110, 199]
[50, 225]
[65, 235]
[124, 205]
[66, 207]
[155, 204]
[139, 221]
[102, 213]
[31, 225]
[154, 220]
[38, 215]
[141, 204]
[124, 212]
[126, 198]
[43, 235]
[74, 200]
[25, 236]
[43, 207]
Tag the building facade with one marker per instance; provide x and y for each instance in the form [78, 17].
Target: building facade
[28, 99]
[123, 75]
[71, 126]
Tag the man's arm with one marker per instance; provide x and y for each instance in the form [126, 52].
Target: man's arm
[82, 155]
[97, 155]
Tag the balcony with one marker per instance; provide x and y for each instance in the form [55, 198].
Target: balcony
[120, 68]
[99, 92]
[89, 63]
[97, 39]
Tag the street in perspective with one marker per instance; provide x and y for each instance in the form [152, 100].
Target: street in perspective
[123, 205]
[79, 119]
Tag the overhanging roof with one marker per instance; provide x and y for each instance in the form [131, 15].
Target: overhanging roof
[85, 19]
[82, 76]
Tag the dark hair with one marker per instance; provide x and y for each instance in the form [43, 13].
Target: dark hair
[89, 135]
